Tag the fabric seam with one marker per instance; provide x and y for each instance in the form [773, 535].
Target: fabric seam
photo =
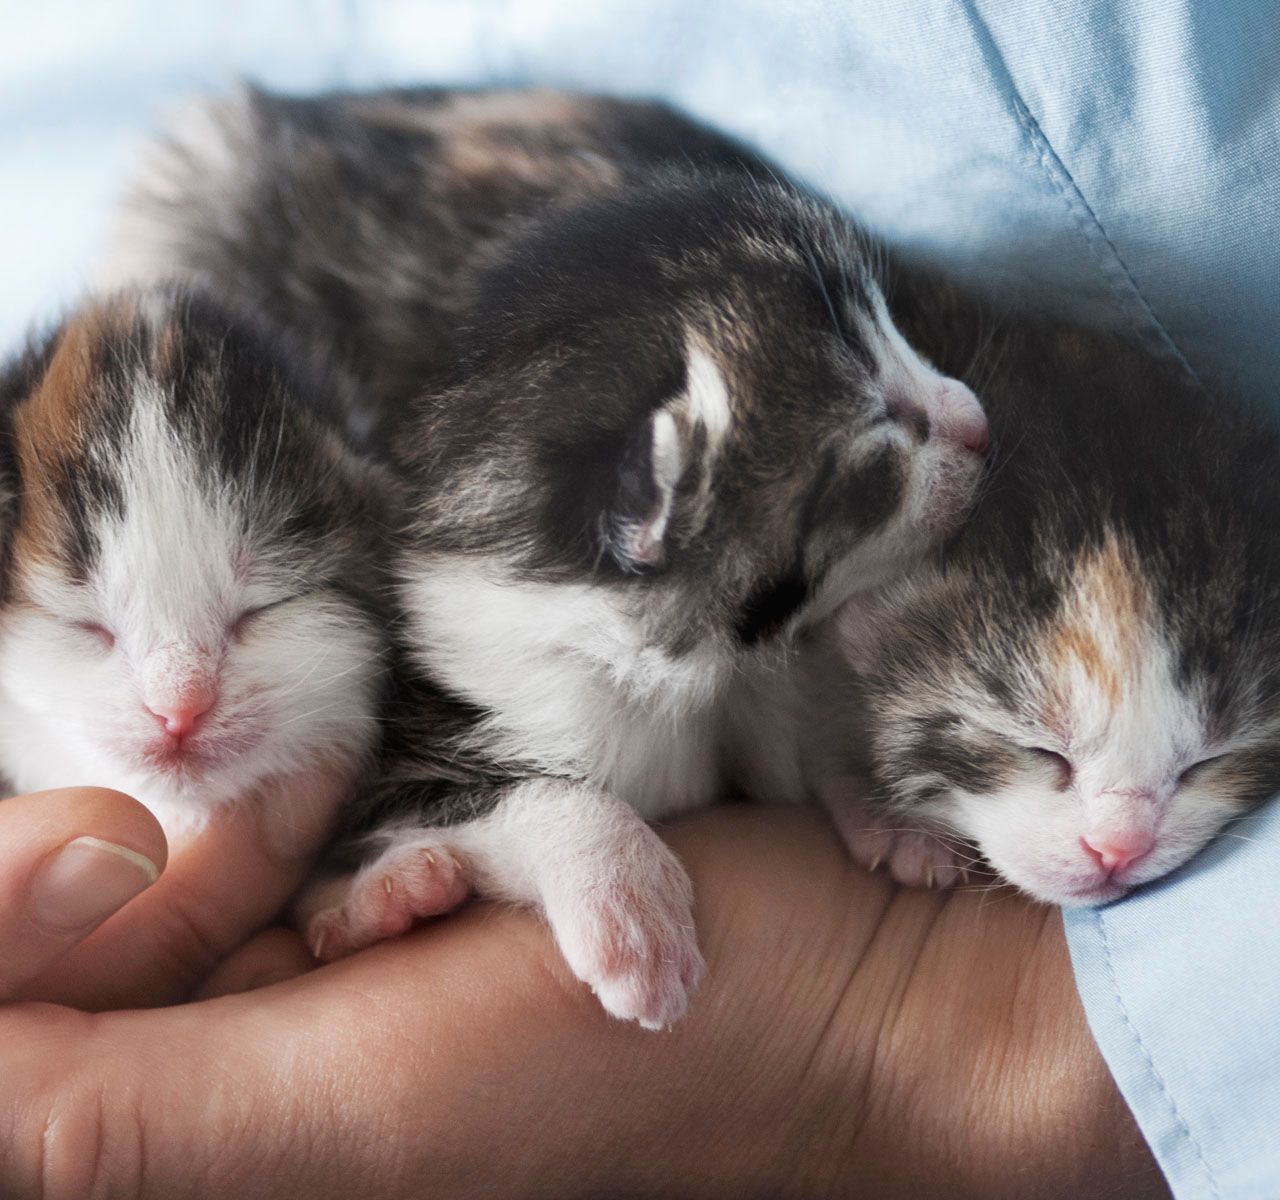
[1179, 1120]
[1088, 225]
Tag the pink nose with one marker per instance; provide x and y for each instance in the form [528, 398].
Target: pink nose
[181, 716]
[1117, 851]
[960, 417]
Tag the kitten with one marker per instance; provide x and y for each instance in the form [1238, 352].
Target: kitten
[190, 561]
[1086, 685]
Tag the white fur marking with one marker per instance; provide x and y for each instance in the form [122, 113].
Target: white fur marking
[667, 469]
[706, 396]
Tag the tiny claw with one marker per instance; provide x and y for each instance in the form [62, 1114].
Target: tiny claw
[930, 879]
[877, 862]
[431, 858]
[387, 885]
[317, 946]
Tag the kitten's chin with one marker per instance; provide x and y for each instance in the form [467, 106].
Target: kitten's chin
[1066, 893]
[1079, 887]
[183, 793]
[1090, 897]
[950, 494]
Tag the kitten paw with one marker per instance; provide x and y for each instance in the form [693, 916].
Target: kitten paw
[384, 899]
[912, 859]
[631, 937]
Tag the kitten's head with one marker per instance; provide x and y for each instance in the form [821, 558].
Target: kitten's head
[696, 387]
[187, 541]
[1088, 686]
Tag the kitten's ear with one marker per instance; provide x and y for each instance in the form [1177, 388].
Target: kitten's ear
[687, 433]
[636, 525]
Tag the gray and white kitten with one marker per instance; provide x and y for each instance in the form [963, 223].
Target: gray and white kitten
[1085, 688]
[676, 429]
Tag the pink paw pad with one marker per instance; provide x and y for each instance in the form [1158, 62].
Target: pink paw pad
[384, 899]
[644, 974]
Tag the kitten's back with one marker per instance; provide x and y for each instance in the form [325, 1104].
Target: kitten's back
[360, 220]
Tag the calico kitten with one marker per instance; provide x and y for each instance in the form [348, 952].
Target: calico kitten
[190, 560]
[680, 429]
[1086, 686]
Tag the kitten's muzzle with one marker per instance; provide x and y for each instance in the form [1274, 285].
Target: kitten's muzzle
[181, 716]
[1123, 823]
[179, 688]
[946, 410]
[960, 418]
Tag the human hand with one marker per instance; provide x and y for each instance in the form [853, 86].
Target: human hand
[851, 1039]
[214, 892]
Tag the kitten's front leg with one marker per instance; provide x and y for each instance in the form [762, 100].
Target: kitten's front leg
[616, 898]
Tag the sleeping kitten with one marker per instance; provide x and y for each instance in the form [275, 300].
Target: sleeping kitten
[680, 429]
[190, 556]
[643, 488]
[1086, 686]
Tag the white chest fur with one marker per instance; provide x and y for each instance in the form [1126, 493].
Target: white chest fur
[573, 688]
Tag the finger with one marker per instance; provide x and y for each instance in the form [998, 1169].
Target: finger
[272, 957]
[72, 858]
[313, 1087]
[216, 892]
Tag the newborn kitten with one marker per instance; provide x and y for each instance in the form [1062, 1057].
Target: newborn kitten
[1086, 686]
[359, 221]
[189, 548]
[682, 429]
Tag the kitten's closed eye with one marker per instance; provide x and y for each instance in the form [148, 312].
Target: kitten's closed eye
[240, 626]
[1061, 766]
[104, 636]
[1193, 772]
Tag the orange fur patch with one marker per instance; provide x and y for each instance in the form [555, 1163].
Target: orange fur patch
[52, 425]
[1099, 631]
[491, 161]
[506, 142]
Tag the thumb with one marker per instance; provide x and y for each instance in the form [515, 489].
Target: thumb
[71, 858]
[216, 891]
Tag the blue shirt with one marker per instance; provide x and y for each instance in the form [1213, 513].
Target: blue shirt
[1181, 983]
[1118, 159]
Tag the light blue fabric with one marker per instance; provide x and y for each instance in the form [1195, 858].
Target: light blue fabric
[1181, 983]
[1116, 158]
